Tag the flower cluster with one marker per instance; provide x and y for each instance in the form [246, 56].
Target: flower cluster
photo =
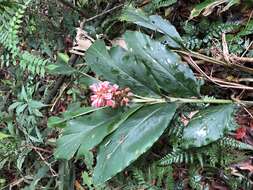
[106, 94]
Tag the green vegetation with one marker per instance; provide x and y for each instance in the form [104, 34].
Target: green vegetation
[120, 94]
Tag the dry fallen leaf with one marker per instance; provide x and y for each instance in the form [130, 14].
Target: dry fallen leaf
[186, 119]
[245, 165]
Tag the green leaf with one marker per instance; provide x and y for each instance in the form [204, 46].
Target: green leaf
[42, 172]
[135, 136]
[134, 67]
[63, 57]
[68, 115]
[35, 104]
[247, 30]
[55, 122]
[60, 68]
[87, 180]
[163, 3]
[87, 80]
[117, 71]
[153, 22]
[14, 105]
[208, 5]
[166, 66]
[209, 125]
[21, 108]
[21, 158]
[86, 132]
[3, 136]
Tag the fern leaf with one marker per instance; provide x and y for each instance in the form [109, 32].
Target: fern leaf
[176, 156]
[163, 3]
[227, 142]
[9, 38]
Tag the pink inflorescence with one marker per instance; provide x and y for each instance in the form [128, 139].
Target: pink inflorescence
[106, 94]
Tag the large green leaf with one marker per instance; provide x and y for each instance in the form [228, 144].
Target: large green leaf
[131, 139]
[134, 67]
[123, 73]
[209, 125]
[153, 22]
[166, 66]
[68, 115]
[86, 132]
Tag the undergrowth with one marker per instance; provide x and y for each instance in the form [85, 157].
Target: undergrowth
[132, 112]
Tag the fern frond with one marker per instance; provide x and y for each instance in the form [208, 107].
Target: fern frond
[9, 38]
[176, 131]
[216, 29]
[239, 182]
[192, 42]
[33, 63]
[227, 142]
[162, 3]
[5, 59]
[138, 176]
[177, 156]
[145, 178]
[195, 178]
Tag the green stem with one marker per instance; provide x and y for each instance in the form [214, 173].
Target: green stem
[140, 99]
[190, 100]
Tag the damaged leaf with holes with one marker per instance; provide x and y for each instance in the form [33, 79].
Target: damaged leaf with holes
[209, 125]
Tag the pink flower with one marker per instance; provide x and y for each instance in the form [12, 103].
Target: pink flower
[111, 103]
[98, 103]
[106, 94]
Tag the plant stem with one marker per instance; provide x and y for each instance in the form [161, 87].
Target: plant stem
[191, 100]
[140, 99]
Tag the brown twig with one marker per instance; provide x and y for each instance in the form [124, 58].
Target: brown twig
[214, 61]
[242, 59]
[38, 148]
[58, 97]
[247, 49]
[225, 48]
[45, 161]
[226, 84]
[99, 15]
[60, 81]
[218, 82]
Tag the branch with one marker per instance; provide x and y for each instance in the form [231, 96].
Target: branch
[243, 59]
[99, 15]
[214, 61]
[60, 80]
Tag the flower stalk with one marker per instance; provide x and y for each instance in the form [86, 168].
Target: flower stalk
[105, 94]
[167, 99]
